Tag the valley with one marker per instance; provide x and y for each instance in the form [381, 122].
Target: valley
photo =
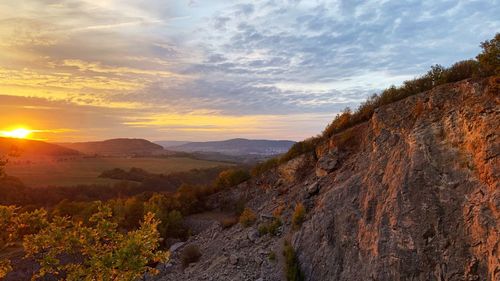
[78, 170]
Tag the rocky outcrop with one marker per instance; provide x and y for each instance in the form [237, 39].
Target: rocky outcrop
[417, 198]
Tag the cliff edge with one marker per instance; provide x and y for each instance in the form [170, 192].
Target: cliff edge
[412, 194]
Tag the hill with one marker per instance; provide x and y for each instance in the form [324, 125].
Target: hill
[410, 194]
[116, 147]
[237, 146]
[167, 144]
[33, 148]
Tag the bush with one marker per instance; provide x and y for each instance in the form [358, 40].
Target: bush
[461, 70]
[489, 59]
[248, 217]
[190, 254]
[292, 266]
[272, 256]
[298, 216]
[273, 226]
[270, 227]
[264, 166]
[278, 211]
[297, 149]
[228, 222]
[300, 148]
[231, 177]
[104, 252]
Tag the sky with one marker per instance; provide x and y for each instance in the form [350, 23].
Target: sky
[78, 70]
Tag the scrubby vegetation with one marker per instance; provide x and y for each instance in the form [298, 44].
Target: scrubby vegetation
[298, 216]
[272, 256]
[228, 222]
[97, 250]
[292, 266]
[487, 63]
[271, 227]
[42, 217]
[248, 217]
[190, 254]
[231, 177]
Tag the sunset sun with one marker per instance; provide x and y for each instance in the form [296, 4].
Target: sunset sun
[19, 133]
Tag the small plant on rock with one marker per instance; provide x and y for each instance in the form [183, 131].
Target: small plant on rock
[272, 256]
[298, 216]
[248, 217]
[292, 266]
[228, 222]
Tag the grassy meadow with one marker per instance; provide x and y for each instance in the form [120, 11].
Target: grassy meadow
[80, 170]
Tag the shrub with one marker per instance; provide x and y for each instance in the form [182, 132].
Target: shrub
[346, 138]
[264, 166]
[297, 149]
[248, 217]
[228, 222]
[278, 211]
[274, 226]
[105, 253]
[263, 230]
[270, 227]
[292, 266]
[190, 254]
[298, 216]
[419, 108]
[461, 70]
[300, 148]
[489, 59]
[231, 177]
[272, 256]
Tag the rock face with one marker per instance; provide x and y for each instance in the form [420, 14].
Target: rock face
[417, 198]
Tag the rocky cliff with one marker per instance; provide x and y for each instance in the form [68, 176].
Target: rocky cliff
[412, 194]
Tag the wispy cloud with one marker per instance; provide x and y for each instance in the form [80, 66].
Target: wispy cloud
[192, 68]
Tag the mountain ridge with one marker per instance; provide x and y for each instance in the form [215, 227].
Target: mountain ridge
[117, 146]
[237, 146]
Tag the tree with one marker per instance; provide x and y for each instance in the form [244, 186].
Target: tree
[15, 226]
[437, 74]
[7, 213]
[95, 252]
[3, 163]
[231, 177]
[489, 59]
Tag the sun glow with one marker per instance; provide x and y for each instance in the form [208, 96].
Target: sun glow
[19, 133]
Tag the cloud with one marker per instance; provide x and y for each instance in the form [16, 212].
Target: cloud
[252, 62]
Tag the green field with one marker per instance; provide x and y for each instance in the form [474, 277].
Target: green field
[86, 170]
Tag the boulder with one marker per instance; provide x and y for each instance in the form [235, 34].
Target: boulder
[328, 163]
[313, 189]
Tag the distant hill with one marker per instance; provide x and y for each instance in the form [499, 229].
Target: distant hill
[116, 147]
[166, 144]
[29, 148]
[237, 147]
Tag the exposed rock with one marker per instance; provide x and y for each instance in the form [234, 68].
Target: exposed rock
[233, 259]
[175, 247]
[328, 163]
[294, 169]
[313, 189]
[253, 235]
[417, 198]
